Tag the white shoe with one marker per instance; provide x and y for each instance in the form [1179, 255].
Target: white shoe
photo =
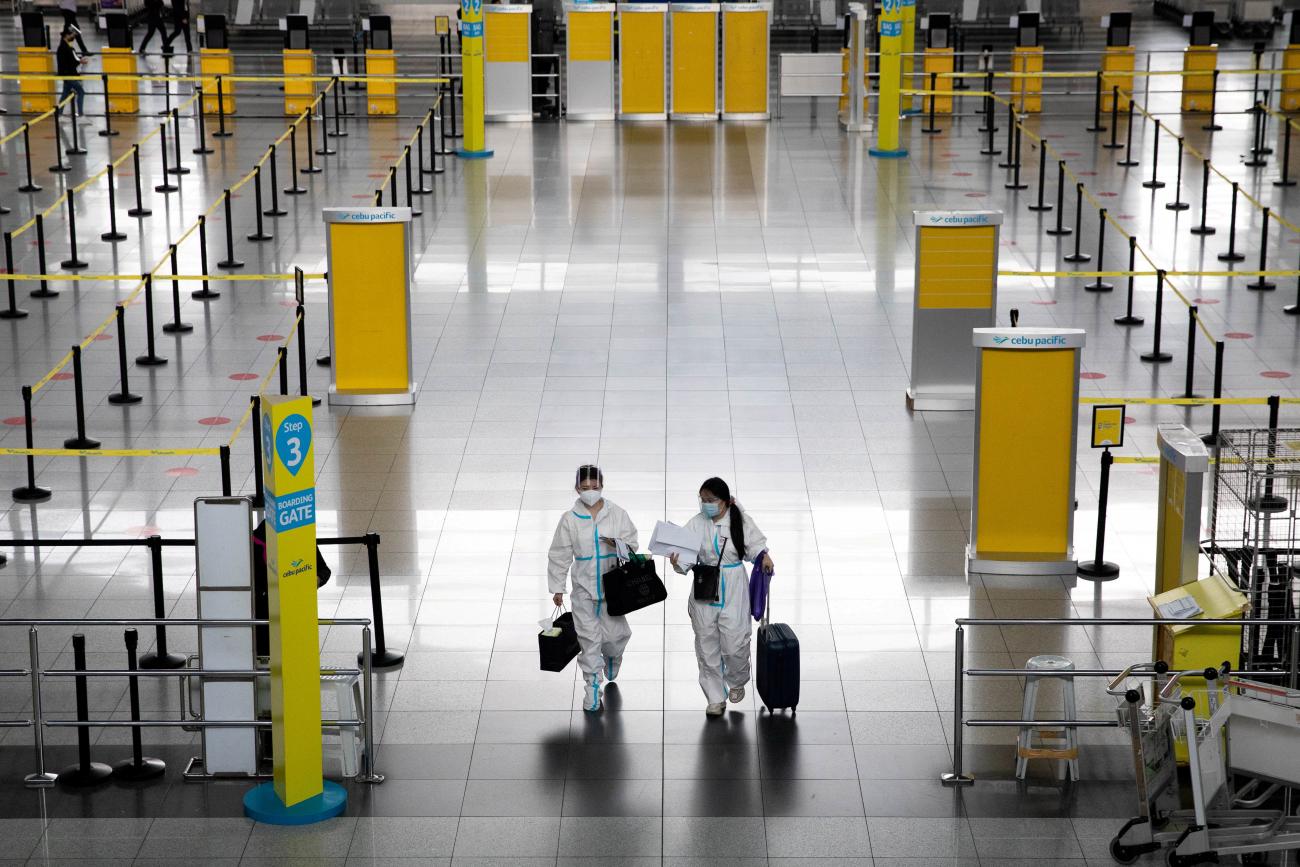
[715, 709]
[591, 695]
[612, 666]
[736, 695]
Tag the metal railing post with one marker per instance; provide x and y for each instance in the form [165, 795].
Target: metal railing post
[957, 777]
[42, 778]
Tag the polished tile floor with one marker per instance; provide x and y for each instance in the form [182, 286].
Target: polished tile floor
[672, 301]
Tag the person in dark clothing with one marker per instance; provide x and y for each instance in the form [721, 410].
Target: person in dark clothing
[68, 8]
[153, 10]
[261, 587]
[68, 61]
[181, 21]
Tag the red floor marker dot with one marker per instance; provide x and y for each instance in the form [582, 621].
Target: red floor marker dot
[270, 338]
[1087, 174]
[61, 377]
[104, 336]
[1108, 195]
[363, 195]
[1239, 335]
[1128, 419]
[15, 421]
[1089, 374]
[144, 530]
[377, 175]
[1071, 154]
[242, 377]
[1275, 374]
[289, 304]
[214, 421]
[1123, 216]
[961, 174]
[181, 472]
[1044, 303]
[949, 154]
[975, 195]
[1206, 300]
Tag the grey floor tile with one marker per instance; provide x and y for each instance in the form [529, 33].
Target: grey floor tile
[610, 836]
[514, 798]
[822, 837]
[714, 837]
[520, 837]
[388, 837]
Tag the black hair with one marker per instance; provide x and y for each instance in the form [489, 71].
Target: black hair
[587, 472]
[718, 488]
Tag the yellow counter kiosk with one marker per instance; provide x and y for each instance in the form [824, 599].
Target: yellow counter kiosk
[35, 59]
[745, 60]
[369, 265]
[1027, 62]
[507, 62]
[118, 63]
[215, 60]
[381, 60]
[1290, 83]
[299, 66]
[1118, 61]
[589, 48]
[642, 72]
[694, 61]
[1200, 58]
[1026, 421]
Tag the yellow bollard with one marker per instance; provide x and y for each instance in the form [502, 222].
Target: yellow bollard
[471, 64]
[37, 94]
[891, 74]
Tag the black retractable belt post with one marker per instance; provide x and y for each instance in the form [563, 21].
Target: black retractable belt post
[1232, 255]
[410, 201]
[379, 197]
[151, 358]
[930, 128]
[1155, 183]
[206, 293]
[1155, 356]
[1204, 229]
[112, 234]
[338, 132]
[1212, 125]
[1262, 283]
[1011, 137]
[1098, 285]
[324, 150]
[1290, 309]
[84, 773]
[1114, 120]
[282, 356]
[1128, 318]
[30, 186]
[73, 262]
[1189, 375]
[108, 130]
[159, 658]
[166, 186]
[43, 289]
[1060, 229]
[275, 210]
[294, 189]
[1041, 205]
[139, 766]
[1098, 568]
[221, 132]
[260, 234]
[1078, 255]
[1285, 180]
[392, 187]
[223, 455]
[442, 130]
[455, 83]
[990, 127]
[1256, 141]
[167, 83]
[381, 656]
[1212, 438]
[176, 326]
[1015, 183]
[60, 165]
[1096, 108]
[311, 168]
[258, 499]
[123, 397]
[230, 261]
[421, 190]
[1128, 161]
[437, 149]
[76, 150]
[13, 311]
[139, 210]
[202, 149]
[80, 441]
[1178, 204]
[30, 492]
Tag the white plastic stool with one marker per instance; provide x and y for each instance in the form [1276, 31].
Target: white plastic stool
[1050, 743]
[346, 689]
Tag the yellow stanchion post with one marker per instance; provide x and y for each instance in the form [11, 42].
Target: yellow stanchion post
[474, 144]
[888, 103]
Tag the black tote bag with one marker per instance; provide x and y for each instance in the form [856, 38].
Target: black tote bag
[557, 651]
[631, 586]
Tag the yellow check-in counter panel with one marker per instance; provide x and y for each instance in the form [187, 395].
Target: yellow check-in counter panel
[695, 61]
[642, 49]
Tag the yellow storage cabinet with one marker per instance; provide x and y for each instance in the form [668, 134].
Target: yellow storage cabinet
[642, 72]
[37, 93]
[215, 62]
[299, 86]
[381, 96]
[695, 61]
[123, 87]
[745, 60]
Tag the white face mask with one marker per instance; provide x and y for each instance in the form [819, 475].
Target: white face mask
[590, 497]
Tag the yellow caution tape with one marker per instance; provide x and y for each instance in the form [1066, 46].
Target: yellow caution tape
[1273, 273]
[1183, 401]
[1133, 460]
[111, 453]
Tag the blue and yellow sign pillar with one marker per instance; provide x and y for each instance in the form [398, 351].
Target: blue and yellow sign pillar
[888, 104]
[912, 105]
[471, 65]
[299, 794]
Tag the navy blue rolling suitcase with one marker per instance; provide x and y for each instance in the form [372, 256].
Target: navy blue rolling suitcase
[777, 665]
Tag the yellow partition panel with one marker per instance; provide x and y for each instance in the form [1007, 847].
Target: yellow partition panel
[37, 94]
[1027, 93]
[745, 60]
[938, 60]
[642, 50]
[957, 267]
[381, 96]
[506, 39]
[1291, 82]
[298, 93]
[695, 60]
[1199, 63]
[122, 92]
[589, 37]
[1117, 64]
[214, 62]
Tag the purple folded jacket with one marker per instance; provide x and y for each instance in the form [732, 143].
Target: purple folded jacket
[758, 585]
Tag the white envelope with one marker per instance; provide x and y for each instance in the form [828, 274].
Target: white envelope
[668, 539]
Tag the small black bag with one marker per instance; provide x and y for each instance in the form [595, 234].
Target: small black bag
[633, 585]
[557, 651]
[705, 578]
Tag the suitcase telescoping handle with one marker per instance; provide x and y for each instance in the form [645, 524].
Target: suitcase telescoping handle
[767, 600]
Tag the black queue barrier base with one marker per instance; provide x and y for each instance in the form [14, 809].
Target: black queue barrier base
[148, 769]
[154, 662]
[387, 659]
[78, 777]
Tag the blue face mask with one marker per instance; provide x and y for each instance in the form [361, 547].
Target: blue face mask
[709, 510]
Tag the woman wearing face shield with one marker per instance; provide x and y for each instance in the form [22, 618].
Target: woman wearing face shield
[727, 537]
[586, 546]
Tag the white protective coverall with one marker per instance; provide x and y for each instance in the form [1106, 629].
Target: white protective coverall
[577, 543]
[722, 628]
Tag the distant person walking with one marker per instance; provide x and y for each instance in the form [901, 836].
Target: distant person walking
[68, 62]
[181, 21]
[69, 10]
[153, 16]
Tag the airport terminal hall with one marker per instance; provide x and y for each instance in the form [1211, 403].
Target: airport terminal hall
[755, 433]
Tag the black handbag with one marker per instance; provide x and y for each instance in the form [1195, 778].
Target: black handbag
[631, 586]
[705, 578]
[557, 651]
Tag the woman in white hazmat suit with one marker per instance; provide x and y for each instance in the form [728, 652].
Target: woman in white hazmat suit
[727, 537]
[586, 545]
